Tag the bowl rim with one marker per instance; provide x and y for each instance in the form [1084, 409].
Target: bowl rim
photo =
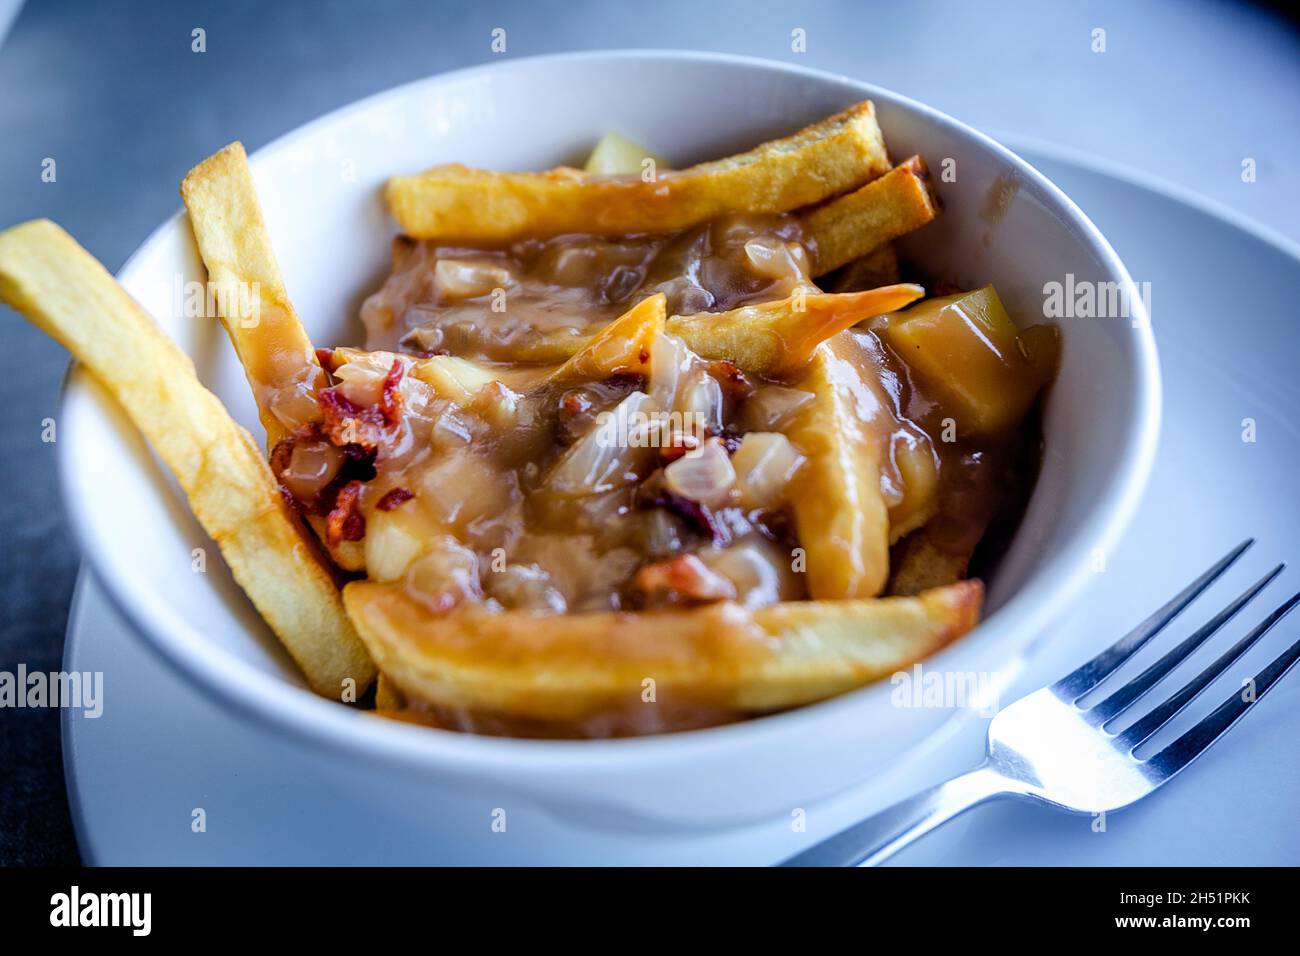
[259, 696]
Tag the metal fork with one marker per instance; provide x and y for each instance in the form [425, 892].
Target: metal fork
[1045, 748]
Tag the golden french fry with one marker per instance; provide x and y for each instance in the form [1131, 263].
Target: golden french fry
[454, 202]
[840, 516]
[922, 562]
[770, 338]
[254, 306]
[878, 267]
[66, 293]
[566, 667]
[852, 226]
[776, 338]
[621, 347]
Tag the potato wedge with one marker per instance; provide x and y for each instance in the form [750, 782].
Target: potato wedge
[566, 667]
[839, 513]
[253, 304]
[66, 293]
[776, 338]
[966, 348]
[455, 203]
[851, 226]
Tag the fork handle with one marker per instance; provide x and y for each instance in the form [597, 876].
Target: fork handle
[881, 836]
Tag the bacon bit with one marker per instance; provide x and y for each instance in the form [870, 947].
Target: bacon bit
[367, 426]
[644, 355]
[678, 444]
[392, 396]
[575, 402]
[394, 498]
[730, 440]
[359, 466]
[627, 381]
[358, 453]
[283, 450]
[693, 513]
[345, 521]
[735, 385]
[326, 359]
[281, 455]
[575, 416]
[683, 579]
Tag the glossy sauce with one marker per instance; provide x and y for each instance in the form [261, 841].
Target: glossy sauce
[516, 304]
[490, 486]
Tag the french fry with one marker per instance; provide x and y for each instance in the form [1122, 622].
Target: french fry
[566, 667]
[921, 563]
[252, 301]
[455, 203]
[776, 338]
[770, 338]
[66, 293]
[253, 304]
[622, 346]
[852, 226]
[877, 268]
[840, 516]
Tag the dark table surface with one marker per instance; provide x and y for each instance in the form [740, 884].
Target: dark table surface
[113, 92]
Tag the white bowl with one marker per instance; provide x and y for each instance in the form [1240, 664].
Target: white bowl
[320, 187]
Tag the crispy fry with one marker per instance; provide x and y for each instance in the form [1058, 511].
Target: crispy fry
[878, 267]
[839, 513]
[770, 338]
[776, 338]
[254, 306]
[566, 667]
[622, 346]
[851, 226]
[273, 347]
[62, 290]
[922, 562]
[453, 202]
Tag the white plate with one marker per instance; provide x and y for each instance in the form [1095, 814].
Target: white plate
[1223, 296]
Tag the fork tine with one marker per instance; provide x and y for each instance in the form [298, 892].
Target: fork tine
[1148, 725]
[1078, 682]
[1197, 740]
[1127, 695]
